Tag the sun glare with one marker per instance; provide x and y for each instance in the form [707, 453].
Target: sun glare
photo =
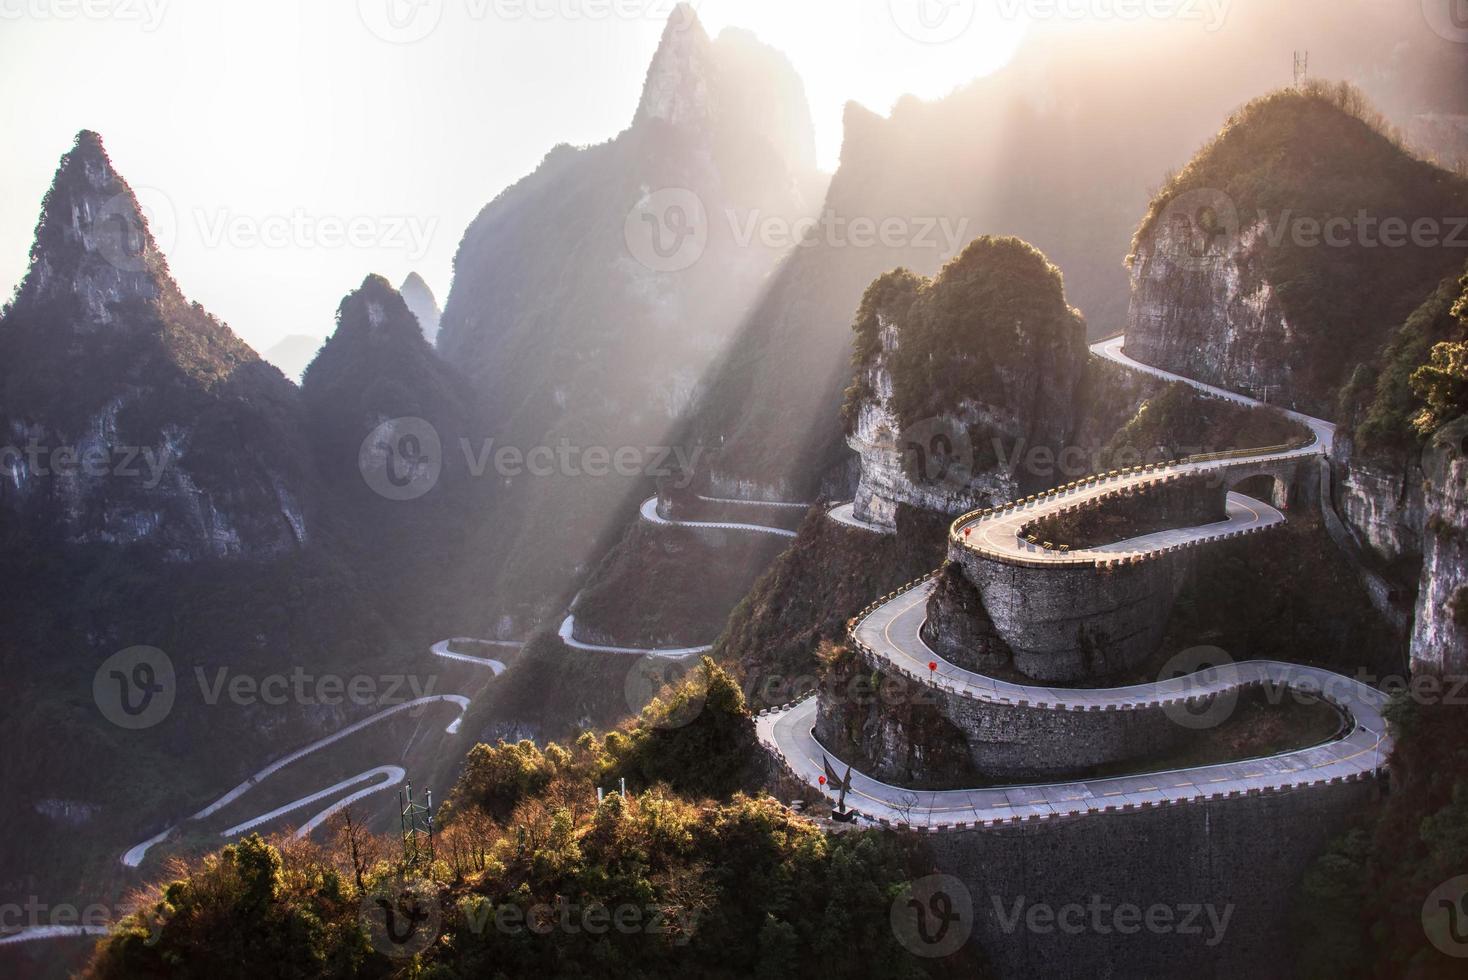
[874, 51]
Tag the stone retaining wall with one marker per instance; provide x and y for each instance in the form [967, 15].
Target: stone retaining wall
[1072, 623]
[1004, 741]
[1243, 856]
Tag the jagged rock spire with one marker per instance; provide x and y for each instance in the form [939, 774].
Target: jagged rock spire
[93, 242]
[423, 303]
[680, 80]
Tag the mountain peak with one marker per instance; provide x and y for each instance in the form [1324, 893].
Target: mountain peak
[377, 310]
[679, 79]
[423, 304]
[93, 243]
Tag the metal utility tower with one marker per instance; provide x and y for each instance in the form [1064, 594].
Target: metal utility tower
[417, 827]
[1302, 67]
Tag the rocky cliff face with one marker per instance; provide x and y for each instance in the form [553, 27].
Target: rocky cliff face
[927, 465]
[1271, 268]
[1440, 633]
[952, 370]
[1381, 499]
[589, 298]
[421, 302]
[1021, 152]
[131, 416]
[1207, 312]
[377, 367]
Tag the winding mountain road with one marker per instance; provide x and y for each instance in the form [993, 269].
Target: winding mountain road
[441, 649]
[135, 854]
[889, 636]
[789, 504]
[33, 933]
[650, 514]
[568, 627]
[846, 514]
[393, 776]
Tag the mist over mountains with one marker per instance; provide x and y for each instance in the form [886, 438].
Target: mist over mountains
[615, 445]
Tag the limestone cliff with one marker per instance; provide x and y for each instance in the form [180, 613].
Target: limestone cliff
[590, 297]
[1380, 498]
[951, 371]
[128, 414]
[1440, 633]
[423, 305]
[1272, 268]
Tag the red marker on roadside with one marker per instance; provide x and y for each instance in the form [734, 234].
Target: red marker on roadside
[823, 780]
[933, 666]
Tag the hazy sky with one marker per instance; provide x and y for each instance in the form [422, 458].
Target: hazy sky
[284, 150]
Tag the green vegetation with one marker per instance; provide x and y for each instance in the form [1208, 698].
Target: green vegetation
[534, 877]
[1190, 502]
[696, 737]
[995, 313]
[1359, 909]
[1270, 160]
[673, 586]
[1304, 603]
[822, 580]
[1384, 403]
[1179, 422]
[1442, 384]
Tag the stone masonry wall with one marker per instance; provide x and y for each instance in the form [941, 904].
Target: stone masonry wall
[1188, 502]
[1003, 741]
[1072, 623]
[1243, 856]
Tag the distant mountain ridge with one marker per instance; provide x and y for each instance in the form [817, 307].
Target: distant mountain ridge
[590, 297]
[1063, 148]
[422, 303]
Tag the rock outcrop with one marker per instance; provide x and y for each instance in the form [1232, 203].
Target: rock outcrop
[377, 366]
[1250, 273]
[1380, 498]
[952, 370]
[590, 297]
[423, 305]
[1440, 632]
[130, 415]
